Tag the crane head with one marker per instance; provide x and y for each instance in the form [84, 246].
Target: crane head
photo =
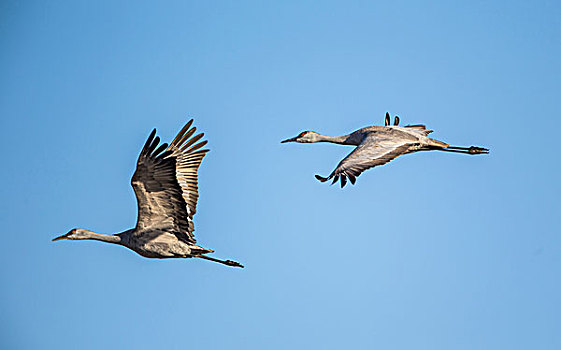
[75, 233]
[304, 137]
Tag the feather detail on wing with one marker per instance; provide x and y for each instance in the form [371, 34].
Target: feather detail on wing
[372, 152]
[166, 183]
[421, 129]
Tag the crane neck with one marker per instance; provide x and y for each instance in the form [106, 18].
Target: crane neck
[342, 140]
[87, 234]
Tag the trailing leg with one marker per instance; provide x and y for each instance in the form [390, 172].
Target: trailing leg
[465, 150]
[225, 262]
[468, 150]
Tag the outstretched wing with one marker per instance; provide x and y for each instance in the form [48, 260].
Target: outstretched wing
[375, 149]
[165, 183]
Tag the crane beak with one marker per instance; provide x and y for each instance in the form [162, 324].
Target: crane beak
[290, 140]
[64, 236]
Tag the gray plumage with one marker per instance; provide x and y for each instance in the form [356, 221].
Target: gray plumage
[377, 145]
[166, 187]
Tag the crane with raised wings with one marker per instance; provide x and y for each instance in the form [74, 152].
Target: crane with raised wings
[166, 187]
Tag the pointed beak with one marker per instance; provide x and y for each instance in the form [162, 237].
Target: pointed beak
[289, 140]
[64, 236]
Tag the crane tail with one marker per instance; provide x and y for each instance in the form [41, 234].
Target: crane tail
[437, 143]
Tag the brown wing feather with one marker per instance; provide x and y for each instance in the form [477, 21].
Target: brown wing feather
[166, 184]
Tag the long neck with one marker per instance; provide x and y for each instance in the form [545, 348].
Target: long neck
[87, 234]
[342, 140]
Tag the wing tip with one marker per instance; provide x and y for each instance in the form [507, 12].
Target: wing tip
[321, 178]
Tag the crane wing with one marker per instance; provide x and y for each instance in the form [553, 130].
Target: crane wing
[165, 183]
[376, 148]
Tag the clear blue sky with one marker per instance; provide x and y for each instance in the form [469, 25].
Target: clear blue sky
[432, 251]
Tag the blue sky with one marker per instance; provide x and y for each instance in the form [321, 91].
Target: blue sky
[432, 251]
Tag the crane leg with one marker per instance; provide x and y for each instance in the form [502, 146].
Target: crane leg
[225, 262]
[466, 150]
